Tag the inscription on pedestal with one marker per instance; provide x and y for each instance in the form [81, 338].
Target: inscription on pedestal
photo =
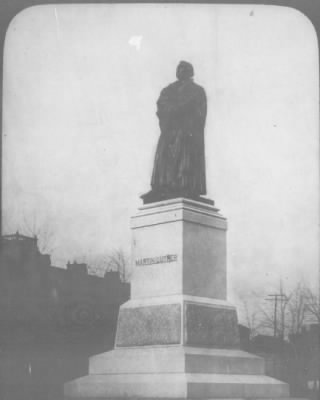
[157, 260]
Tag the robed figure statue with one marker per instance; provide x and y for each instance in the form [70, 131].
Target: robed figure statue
[179, 164]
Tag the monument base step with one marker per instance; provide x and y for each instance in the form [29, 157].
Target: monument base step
[176, 372]
[176, 386]
[176, 359]
[153, 398]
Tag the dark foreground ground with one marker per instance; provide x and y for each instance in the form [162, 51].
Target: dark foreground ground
[35, 367]
[34, 364]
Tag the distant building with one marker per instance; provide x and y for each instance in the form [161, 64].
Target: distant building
[80, 298]
[244, 334]
[31, 290]
[23, 280]
[307, 349]
[296, 361]
[51, 319]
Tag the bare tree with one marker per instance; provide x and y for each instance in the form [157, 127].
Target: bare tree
[115, 260]
[287, 314]
[97, 264]
[251, 317]
[34, 224]
[312, 304]
[267, 320]
[119, 261]
[262, 317]
[250, 310]
[296, 313]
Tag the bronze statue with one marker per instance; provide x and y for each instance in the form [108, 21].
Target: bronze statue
[179, 164]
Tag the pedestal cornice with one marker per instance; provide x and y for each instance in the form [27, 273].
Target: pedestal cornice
[179, 209]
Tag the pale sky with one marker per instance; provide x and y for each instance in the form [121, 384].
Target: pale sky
[80, 130]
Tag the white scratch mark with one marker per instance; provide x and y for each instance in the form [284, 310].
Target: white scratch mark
[135, 41]
[57, 23]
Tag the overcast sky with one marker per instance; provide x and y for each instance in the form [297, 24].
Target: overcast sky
[80, 130]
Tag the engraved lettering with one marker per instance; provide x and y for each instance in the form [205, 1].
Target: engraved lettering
[169, 258]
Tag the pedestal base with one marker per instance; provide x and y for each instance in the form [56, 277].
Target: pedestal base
[177, 337]
[176, 373]
[176, 347]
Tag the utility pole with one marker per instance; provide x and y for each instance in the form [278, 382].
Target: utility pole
[282, 297]
[275, 297]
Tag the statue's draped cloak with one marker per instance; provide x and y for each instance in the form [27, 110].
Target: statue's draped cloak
[179, 165]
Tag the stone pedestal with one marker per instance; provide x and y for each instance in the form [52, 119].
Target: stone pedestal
[177, 337]
[179, 247]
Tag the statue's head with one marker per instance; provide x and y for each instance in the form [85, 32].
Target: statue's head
[184, 70]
